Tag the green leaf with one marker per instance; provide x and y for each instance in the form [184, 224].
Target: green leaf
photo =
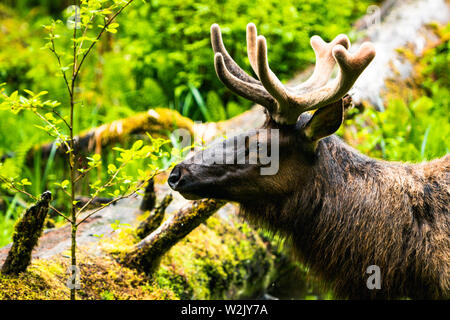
[25, 182]
[64, 184]
[112, 168]
[137, 145]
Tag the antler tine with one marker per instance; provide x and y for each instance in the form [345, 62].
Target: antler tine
[324, 62]
[269, 80]
[236, 79]
[284, 112]
[251, 91]
[291, 105]
[251, 46]
[219, 47]
[350, 67]
[286, 104]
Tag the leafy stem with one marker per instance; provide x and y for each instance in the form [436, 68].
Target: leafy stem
[11, 185]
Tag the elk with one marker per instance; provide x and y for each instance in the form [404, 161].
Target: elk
[341, 210]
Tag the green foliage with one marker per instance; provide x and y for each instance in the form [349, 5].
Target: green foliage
[169, 42]
[415, 131]
[75, 49]
[161, 54]
[71, 49]
[416, 123]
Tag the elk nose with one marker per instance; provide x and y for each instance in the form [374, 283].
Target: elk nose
[174, 177]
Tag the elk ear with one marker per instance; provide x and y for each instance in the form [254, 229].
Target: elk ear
[325, 121]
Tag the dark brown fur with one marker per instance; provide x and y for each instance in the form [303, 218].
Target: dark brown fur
[343, 212]
[354, 211]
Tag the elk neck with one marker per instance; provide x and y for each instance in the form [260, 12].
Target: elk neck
[356, 211]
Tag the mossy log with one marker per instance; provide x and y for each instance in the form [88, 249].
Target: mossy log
[220, 259]
[146, 254]
[154, 219]
[156, 122]
[26, 235]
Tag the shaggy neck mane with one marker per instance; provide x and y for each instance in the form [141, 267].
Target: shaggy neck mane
[357, 212]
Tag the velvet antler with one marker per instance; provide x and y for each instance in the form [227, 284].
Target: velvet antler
[285, 104]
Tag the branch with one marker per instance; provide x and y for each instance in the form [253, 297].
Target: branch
[107, 184]
[58, 57]
[12, 186]
[98, 202]
[124, 196]
[153, 221]
[146, 254]
[75, 75]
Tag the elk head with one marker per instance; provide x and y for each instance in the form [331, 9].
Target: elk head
[290, 134]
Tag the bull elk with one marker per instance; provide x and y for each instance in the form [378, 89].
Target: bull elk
[341, 210]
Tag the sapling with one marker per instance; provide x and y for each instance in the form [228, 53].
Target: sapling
[89, 20]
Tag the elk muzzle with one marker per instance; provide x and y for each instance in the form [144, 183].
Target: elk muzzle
[183, 181]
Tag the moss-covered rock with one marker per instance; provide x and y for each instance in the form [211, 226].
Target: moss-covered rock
[217, 261]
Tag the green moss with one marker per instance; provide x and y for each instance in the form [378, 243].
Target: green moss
[101, 278]
[40, 281]
[215, 261]
[104, 278]
[27, 231]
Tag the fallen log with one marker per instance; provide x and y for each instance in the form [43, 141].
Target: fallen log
[156, 122]
[146, 255]
[153, 221]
